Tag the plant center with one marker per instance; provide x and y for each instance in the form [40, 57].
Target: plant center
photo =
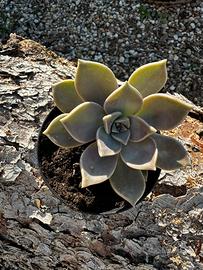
[120, 127]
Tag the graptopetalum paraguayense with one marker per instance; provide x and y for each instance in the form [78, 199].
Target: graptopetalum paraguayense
[121, 123]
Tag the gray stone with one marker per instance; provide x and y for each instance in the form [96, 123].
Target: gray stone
[36, 229]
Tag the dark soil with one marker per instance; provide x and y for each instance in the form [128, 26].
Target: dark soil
[61, 172]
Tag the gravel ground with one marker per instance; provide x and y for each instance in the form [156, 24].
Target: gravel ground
[122, 34]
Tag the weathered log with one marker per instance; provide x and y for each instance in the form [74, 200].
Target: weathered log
[37, 231]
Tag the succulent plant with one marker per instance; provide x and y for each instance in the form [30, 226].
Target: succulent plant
[120, 122]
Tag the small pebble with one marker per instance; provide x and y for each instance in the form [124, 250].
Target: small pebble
[121, 34]
[188, 51]
[121, 59]
[192, 25]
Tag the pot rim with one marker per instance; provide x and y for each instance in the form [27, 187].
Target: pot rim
[120, 209]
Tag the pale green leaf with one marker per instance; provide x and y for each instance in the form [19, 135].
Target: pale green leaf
[140, 155]
[125, 99]
[171, 153]
[139, 129]
[150, 78]
[107, 146]
[83, 121]
[96, 169]
[122, 137]
[109, 119]
[128, 183]
[164, 112]
[94, 81]
[59, 135]
[65, 95]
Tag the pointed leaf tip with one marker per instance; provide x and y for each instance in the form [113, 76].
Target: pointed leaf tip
[80, 61]
[163, 112]
[94, 81]
[150, 78]
[139, 129]
[95, 169]
[59, 135]
[45, 132]
[140, 155]
[125, 99]
[171, 153]
[83, 121]
[128, 183]
[107, 146]
[65, 95]
[121, 137]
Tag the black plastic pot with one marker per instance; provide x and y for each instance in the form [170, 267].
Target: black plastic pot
[45, 145]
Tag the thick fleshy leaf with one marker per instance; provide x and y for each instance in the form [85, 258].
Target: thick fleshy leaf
[94, 81]
[107, 146]
[59, 135]
[109, 119]
[83, 121]
[124, 121]
[121, 125]
[139, 129]
[163, 112]
[150, 78]
[65, 95]
[128, 183]
[171, 153]
[125, 99]
[96, 169]
[122, 137]
[114, 129]
[140, 155]
[145, 174]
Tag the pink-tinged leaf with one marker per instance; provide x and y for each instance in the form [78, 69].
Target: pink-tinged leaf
[125, 99]
[171, 153]
[94, 81]
[128, 183]
[139, 129]
[109, 119]
[59, 135]
[150, 78]
[164, 112]
[83, 121]
[96, 169]
[65, 95]
[107, 146]
[140, 155]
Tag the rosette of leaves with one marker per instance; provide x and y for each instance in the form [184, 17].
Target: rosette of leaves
[120, 122]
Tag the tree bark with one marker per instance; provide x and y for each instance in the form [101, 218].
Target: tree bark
[37, 231]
